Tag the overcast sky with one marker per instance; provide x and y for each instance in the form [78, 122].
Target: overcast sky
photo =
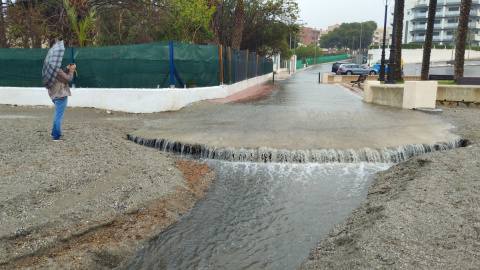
[322, 13]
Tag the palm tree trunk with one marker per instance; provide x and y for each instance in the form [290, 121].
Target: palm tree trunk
[427, 48]
[238, 25]
[214, 22]
[398, 40]
[461, 38]
[3, 35]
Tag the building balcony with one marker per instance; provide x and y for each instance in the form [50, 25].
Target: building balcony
[420, 15]
[421, 3]
[451, 3]
[418, 39]
[419, 27]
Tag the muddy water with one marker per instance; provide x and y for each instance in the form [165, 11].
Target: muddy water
[269, 215]
[260, 216]
[300, 114]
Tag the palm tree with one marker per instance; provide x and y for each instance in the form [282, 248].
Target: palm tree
[398, 39]
[427, 48]
[238, 25]
[461, 38]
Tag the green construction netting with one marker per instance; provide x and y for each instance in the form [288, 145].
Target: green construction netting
[320, 60]
[23, 67]
[134, 66]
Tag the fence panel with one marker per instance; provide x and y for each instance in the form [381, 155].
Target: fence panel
[127, 66]
[23, 67]
[134, 66]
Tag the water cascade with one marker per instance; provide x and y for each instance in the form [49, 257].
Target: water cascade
[271, 155]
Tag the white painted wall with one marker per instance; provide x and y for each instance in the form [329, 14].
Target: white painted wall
[128, 99]
[419, 94]
[414, 56]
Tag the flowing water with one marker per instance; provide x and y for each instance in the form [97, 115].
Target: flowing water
[289, 167]
[260, 216]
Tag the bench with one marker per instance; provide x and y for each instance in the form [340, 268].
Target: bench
[434, 77]
[451, 62]
[468, 81]
[360, 80]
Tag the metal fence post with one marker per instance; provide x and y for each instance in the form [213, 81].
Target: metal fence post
[229, 66]
[72, 61]
[220, 54]
[246, 67]
[172, 67]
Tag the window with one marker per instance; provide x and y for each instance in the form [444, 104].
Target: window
[454, 9]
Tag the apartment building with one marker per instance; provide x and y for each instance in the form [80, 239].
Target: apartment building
[378, 37]
[446, 22]
[310, 35]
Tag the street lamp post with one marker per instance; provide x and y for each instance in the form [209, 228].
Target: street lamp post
[381, 76]
[391, 61]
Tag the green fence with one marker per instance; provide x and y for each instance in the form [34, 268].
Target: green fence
[320, 60]
[136, 66]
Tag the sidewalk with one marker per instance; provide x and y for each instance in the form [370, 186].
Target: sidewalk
[282, 75]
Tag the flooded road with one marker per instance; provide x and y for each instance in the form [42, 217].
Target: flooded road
[299, 114]
[269, 214]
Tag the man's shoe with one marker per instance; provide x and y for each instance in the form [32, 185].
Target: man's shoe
[59, 140]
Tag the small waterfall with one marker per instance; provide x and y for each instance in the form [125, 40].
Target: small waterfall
[271, 155]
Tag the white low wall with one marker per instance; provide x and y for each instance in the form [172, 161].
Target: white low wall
[411, 95]
[128, 99]
[414, 56]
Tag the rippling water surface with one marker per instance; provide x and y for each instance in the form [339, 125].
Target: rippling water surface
[260, 216]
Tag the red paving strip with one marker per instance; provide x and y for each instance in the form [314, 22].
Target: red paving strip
[250, 94]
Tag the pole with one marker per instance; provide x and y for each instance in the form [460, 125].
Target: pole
[256, 67]
[172, 67]
[220, 54]
[381, 76]
[391, 61]
[72, 60]
[290, 45]
[229, 66]
[246, 67]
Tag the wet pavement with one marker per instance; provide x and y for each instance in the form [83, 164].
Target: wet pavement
[298, 113]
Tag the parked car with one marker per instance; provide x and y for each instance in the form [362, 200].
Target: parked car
[336, 65]
[376, 67]
[352, 69]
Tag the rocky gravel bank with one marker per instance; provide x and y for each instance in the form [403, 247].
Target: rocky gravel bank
[420, 214]
[91, 201]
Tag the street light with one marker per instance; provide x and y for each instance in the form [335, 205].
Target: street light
[381, 76]
[391, 61]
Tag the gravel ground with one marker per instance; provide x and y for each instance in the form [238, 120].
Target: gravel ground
[91, 201]
[420, 214]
